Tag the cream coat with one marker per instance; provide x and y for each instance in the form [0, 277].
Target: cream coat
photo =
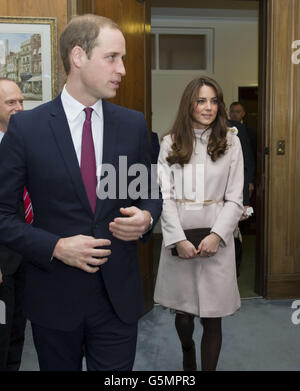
[204, 286]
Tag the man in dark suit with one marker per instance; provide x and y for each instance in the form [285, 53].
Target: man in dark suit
[237, 113]
[248, 175]
[83, 283]
[11, 267]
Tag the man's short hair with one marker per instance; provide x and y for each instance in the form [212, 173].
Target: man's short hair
[82, 31]
[237, 104]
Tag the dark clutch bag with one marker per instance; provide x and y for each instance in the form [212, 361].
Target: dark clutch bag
[194, 236]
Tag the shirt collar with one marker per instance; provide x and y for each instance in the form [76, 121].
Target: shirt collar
[73, 108]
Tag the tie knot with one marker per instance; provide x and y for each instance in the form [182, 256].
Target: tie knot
[88, 113]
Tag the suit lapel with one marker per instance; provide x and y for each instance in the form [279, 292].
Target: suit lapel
[109, 144]
[62, 134]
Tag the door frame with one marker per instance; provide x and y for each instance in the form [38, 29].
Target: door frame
[262, 151]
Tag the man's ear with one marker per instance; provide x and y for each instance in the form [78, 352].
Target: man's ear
[77, 56]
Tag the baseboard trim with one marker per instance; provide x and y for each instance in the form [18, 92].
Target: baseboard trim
[284, 289]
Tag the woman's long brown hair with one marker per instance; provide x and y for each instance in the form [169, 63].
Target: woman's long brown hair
[182, 132]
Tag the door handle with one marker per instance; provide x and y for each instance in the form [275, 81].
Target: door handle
[281, 147]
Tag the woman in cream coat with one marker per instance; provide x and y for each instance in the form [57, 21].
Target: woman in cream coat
[200, 170]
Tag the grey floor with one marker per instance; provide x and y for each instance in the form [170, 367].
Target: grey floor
[260, 336]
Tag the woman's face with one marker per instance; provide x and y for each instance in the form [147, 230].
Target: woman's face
[205, 108]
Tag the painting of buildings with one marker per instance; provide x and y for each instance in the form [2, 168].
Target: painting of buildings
[21, 61]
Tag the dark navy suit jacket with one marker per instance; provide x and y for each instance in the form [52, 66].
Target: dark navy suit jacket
[9, 259]
[155, 147]
[37, 151]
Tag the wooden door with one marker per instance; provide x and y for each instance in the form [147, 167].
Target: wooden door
[282, 164]
[133, 16]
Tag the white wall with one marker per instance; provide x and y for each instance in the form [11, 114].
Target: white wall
[235, 63]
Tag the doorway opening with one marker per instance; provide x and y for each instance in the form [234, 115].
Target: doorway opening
[235, 58]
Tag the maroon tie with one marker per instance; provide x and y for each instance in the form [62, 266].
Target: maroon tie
[27, 207]
[88, 160]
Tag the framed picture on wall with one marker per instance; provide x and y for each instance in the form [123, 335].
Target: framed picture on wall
[28, 48]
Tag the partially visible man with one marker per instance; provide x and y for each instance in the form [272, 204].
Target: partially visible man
[248, 160]
[237, 113]
[11, 266]
[83, 282]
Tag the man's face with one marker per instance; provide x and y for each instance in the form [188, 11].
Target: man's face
[100, 75]
[11, 101]
[236, 113]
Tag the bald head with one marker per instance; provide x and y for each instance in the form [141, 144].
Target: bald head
[11, 101]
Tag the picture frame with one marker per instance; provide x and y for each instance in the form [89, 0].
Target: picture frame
[28, 55]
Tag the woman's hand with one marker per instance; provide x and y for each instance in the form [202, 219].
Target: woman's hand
[186, 249]
[209, 245]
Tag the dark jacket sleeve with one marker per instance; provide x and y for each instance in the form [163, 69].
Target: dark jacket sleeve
[151, 199]
[155, 148]
[33, 243]
[9, 259]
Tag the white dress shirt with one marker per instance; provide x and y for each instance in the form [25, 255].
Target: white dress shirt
[1, 135]
[76, 117]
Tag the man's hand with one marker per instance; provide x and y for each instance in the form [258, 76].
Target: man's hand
[81, 251]
[209, 245]
[244, 215]
[130, 227]
[186, 249]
